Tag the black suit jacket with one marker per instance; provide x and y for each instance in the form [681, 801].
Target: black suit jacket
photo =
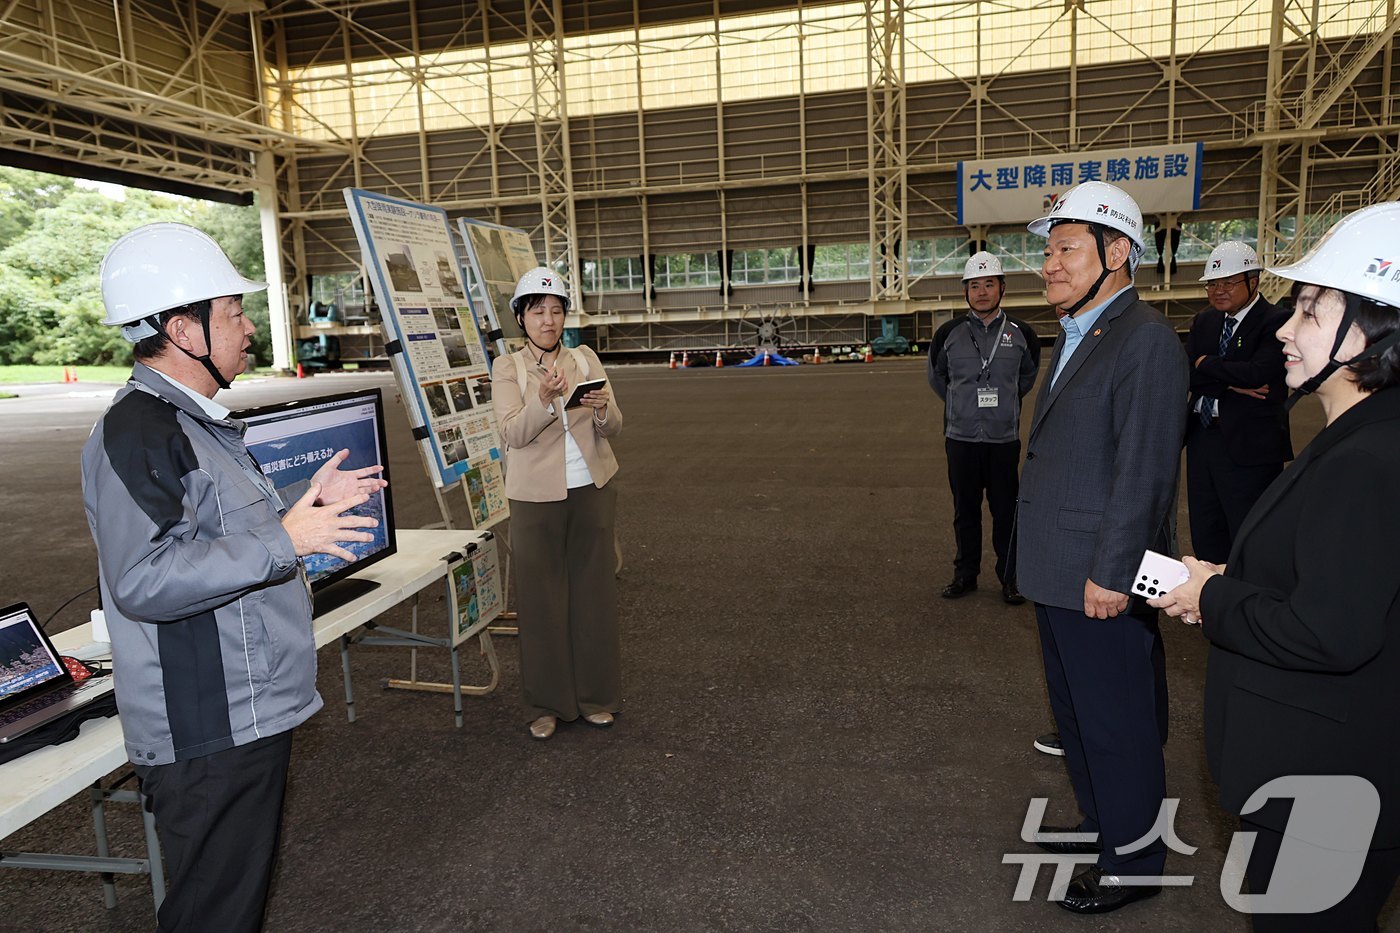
[1102, 457]
[1304, 668]
[1255, 430]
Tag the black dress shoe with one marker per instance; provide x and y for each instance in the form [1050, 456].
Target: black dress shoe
[1093, 892]
[1010, 595]
[1066, 848]
[960, 586]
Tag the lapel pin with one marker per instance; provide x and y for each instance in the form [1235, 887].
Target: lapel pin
[1097, 331]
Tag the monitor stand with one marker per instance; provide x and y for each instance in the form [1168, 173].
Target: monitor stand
[339, 593]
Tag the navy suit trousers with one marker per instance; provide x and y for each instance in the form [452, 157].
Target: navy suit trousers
[1219, 492]
[1107, 685]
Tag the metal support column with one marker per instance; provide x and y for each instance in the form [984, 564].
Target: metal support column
[886, 146]
[544, 30]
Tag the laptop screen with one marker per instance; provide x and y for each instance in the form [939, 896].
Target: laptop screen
[27, 659]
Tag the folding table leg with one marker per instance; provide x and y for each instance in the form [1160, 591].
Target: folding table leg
[99, 824]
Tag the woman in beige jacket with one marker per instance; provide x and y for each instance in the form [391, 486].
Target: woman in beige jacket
[558, 464]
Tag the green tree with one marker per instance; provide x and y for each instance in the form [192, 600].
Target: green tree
[22, 195]
[53, 235]
[239, 231]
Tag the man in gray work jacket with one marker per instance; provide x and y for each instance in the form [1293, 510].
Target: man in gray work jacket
[201, 579]
[982, 365]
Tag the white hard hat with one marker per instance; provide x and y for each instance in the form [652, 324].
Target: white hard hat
[981, 265]
[541, 281]
[162, 266]
[1360, 255]
[1100, 203]
[1229, 259]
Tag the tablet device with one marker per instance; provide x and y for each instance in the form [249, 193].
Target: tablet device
[582, 389]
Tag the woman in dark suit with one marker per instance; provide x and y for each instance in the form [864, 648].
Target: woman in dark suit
[1304, 620]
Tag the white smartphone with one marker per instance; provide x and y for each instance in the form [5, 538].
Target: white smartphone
[1158, 574]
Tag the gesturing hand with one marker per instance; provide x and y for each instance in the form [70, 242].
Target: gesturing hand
[337, 484]
[319, 529]
[1259, 392]
[552, 386]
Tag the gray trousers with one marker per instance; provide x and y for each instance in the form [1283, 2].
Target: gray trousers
[566, 597]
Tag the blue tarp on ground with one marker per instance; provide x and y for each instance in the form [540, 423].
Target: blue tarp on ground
[774, 359]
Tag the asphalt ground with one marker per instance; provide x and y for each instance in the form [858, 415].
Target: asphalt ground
[812, 739]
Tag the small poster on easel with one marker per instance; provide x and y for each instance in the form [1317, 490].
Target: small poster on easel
[474, 589]
[485, 486]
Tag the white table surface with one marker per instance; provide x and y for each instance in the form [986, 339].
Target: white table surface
[34, 784]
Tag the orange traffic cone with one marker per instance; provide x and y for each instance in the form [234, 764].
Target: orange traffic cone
[685, 358]
[67, 375]
[765, 359]
[816, 355]
[75, 374]
[719, 360]
[301, 373]
[672, 364]
[869, 354]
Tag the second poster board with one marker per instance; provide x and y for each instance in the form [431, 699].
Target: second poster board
[499, 256]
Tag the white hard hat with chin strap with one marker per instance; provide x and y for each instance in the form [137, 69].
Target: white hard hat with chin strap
[1100, 206]
[1231, 258]
[981, 265]
[163, 266]
[1346, 259]
[538, 281]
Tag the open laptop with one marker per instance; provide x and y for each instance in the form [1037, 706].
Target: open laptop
[35, 686]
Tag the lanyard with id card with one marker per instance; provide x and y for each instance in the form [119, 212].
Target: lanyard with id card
[987, 395]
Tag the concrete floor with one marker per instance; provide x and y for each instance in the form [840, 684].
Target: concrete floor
[812, 739]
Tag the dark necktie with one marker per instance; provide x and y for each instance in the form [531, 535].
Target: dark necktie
[1226, 332]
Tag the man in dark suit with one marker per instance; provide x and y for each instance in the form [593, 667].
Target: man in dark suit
[1237, 437]
[1097, 487]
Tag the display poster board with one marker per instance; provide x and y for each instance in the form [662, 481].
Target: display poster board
[474, 590]
[499, 257]
[1161, 179]
[443, 367]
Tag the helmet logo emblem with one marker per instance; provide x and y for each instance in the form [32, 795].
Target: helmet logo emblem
[546, 282]
[1103, 208]
[1215, 264]
[1379, 267]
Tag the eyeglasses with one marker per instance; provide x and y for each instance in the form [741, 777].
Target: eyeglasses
[1223, 285]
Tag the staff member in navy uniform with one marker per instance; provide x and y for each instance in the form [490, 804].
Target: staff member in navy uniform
[1098, 487]
[982, 365]
[1237, 436]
